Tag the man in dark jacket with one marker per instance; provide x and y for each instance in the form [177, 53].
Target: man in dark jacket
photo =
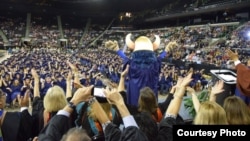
[16, 126]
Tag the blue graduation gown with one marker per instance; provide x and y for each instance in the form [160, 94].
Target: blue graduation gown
[143, 72]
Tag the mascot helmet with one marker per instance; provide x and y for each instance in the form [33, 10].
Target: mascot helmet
[142, 43]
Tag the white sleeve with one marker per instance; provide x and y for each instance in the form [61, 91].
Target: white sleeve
[129, 121]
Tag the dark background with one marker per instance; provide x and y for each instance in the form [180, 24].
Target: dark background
[104, 11]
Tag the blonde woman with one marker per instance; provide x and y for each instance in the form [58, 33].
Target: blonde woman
[44, 109]
[54, 101]
[238, 113]
[210, 113]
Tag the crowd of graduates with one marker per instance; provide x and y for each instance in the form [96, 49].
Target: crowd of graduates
[51, 65]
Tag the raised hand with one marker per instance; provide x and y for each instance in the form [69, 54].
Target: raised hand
[190, 90]
[233, 56]
[72, 67]
[34, 73]
[217, 88]
[82, 94]
[125, 72]
[113, 96]
[69, 77]
[24, 100]
[186, 80]
[112, 45]
[170, 46]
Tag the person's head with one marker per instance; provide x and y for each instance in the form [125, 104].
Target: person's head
[76, 134]
[236, 110]
[210, 113]
[7, 76]
[48, 79]
[54, 99]
[142, 43]
[147, 101]
[16, 82]
[60, 78]
[27, 81]
[198, 86]
[2, 99]
[147, 125]
[18, 76]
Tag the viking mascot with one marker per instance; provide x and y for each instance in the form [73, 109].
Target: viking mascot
[144, 64]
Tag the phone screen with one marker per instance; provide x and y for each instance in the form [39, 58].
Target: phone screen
[98, 92]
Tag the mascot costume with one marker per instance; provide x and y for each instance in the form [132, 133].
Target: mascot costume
[144, 65]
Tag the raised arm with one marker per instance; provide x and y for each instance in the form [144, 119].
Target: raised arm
[164, 105]
[121, 85]
[169, 47]
[175, 104]
[74, 72]
[68, 85]
[36, 83]
[166, 125]
[195, 99]
[131, 127]
[113, 45]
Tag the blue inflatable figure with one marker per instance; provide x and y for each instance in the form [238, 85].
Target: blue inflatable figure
[145, 65]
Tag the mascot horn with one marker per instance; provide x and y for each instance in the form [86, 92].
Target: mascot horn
[145, 65]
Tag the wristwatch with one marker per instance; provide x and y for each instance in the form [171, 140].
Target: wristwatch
[71, 105]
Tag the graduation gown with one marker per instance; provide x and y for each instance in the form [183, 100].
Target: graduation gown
[166, 129]
[57, 127]
[143, 72]
[113, 133]
[243, 83]
[17, 126]
[243, 79]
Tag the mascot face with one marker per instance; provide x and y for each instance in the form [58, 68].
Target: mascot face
[143, 55]
[142, 43]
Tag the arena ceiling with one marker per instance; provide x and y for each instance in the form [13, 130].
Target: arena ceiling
[103, 10]
[88, 8]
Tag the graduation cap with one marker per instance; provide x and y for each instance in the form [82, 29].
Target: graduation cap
[17, 73]
[28, 76]
[47, 75]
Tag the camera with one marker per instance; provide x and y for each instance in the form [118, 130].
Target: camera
[98, 92]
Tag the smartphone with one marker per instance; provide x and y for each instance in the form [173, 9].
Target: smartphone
[98, 92]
